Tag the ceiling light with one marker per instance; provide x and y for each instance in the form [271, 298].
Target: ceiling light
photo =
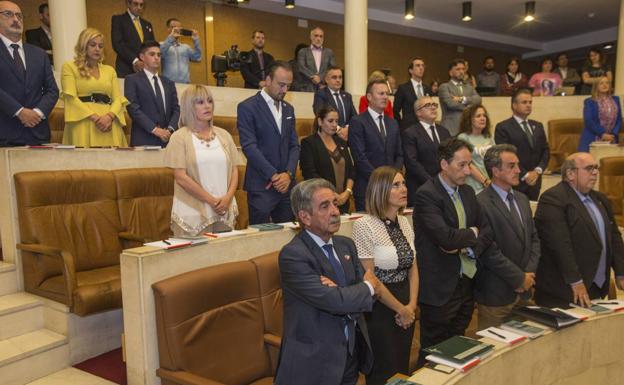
[529, 11]
[409, 9]
[209, 18]
[467, 11]
[608, 46]
[290, 4]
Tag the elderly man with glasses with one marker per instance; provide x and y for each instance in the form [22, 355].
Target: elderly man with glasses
[420, 146]
[580, 240]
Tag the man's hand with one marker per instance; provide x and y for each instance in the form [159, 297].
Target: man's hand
[104, 123]
[29, 117]
[619, 282]
[315, 79]
[531, 178]
[281, 182]
[343, 133]
[161, 133]
[138, 66]
[458, 99]
[327, 282]
[529, 282]
[372, 279]
[581, 297]
[195, 34]
[608, 137]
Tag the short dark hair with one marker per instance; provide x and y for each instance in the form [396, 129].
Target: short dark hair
[465, 124]
[322, 114]
[562, 54]
[333, 68]
[253, 34]
[544, 60]
[42, 8]
[449, 146]
[411, 63]
[492, 157]
[369, 86]
[456, 62]
[147, 44]
[488, 57]
[511, 60]
[278, 64]
[520, 91]
[170, 20]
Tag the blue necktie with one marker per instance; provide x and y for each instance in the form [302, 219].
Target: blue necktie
[601, 272]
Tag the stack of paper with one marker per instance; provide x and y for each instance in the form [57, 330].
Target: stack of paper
[170, 243]
[523, 329]
[501, 335]
[612, 304]
[459, 352]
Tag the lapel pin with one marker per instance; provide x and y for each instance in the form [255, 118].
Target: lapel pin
[347, 257]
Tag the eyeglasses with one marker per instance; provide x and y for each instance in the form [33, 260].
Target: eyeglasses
[591, 168]
[10, 14]
[428, 105]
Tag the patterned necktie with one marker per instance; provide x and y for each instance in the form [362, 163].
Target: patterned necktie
[529, 134]
[139, 29]
[336, 265]
[17, 60]
[341, 109]
[469, 267]
[419, 90]
[382, 128]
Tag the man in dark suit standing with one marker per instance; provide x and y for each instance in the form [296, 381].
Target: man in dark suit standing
[314, 61]
[420, 146]
[374, 140]
[529, 138]
[153, 100]
[254, 70]
[128, 31]
[334, 96]
[449, 230]
[409, 92]
[42, 36]
[325, 290]
[580, 238]
[28, 91]
[266, 125]
[507, 268]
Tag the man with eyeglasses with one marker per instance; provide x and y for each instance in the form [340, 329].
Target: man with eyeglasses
[28, 91]
[409, 92]
[420, 146]
[333, 95]
[128, 31]
[580, 239]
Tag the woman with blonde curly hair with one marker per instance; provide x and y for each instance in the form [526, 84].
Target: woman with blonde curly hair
[94, 105]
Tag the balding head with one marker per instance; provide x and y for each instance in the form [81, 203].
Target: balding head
[580, 170]
[11, 21]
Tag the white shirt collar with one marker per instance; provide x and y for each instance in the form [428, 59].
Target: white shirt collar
[8, 42]
[374, 114]
[133, 17]
[150, 75]
[267, 97]
[415, 82]
[520, 120]
[318, 239]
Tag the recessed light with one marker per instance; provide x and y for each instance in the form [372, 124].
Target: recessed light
[608, 46]
[591, 15]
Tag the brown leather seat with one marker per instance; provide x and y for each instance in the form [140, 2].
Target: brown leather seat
[563, 139]
[210, 327]
[69, 229]
[304, 127]
[144, 198]
[612, 184]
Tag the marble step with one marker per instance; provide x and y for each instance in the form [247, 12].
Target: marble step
[20, 313]
[33, 355]
[71, 376]
[8, 278]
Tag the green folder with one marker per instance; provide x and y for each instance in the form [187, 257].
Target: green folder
[459, 349]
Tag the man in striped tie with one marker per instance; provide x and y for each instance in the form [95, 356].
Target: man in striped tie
[128, 31]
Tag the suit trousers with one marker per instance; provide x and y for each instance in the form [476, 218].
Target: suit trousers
[269, 206]
[352, 366]
[496, 315]
[439, 323]
[391, 343]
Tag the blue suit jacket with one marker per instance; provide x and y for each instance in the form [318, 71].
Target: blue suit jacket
[313, 347]
[267, 151]
[369, 150]
[37, 89]
[144, 112]
[324, 97]
[593, 130]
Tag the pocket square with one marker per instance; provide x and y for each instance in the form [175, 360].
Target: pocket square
[289, 117]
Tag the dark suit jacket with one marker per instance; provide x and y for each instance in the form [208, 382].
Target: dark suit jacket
[316, 163]
[313, 345]
[404, 100]
[436, 228]
[39, 38]
[509, 131]
[571, 245]
[37, 89]
[369, 150]
[126, 41]
[144, 111]
[267, 150]
[324, 97]
[512, 252]
[421, 156]
[252, 73]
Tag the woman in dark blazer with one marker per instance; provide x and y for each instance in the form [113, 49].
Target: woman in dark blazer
[325, 155]
[602, 115]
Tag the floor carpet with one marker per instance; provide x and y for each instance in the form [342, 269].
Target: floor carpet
[109, 366]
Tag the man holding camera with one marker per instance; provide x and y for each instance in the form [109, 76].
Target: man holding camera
[254, 67]
[175, 55]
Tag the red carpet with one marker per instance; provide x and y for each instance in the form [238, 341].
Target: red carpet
[109, 366]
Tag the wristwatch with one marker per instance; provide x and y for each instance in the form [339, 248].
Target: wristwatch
[290, 174]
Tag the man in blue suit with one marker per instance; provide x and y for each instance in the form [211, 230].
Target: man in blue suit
[28, 91]
[326, 290]
[153, 100]
[374, 139]
[334, 96]
[266, 125]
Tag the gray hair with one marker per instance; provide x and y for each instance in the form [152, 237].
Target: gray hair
[567, 165]
[301, 194]
[493, 159]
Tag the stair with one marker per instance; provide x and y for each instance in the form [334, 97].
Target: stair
[28, 350]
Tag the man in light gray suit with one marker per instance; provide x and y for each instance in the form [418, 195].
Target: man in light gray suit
[455, 96]
[314, 61]
[506, 272]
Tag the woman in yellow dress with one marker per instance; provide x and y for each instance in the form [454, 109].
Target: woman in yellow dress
[94, 105]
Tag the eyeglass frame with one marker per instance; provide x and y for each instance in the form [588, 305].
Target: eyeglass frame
[10, 14]
[428, 105]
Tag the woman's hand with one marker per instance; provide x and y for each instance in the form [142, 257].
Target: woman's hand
[223, 205]
[405, 317]
[104, 123]
[608, 138]
[343, 198]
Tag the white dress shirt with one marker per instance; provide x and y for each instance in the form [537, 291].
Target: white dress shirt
[277, 114]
